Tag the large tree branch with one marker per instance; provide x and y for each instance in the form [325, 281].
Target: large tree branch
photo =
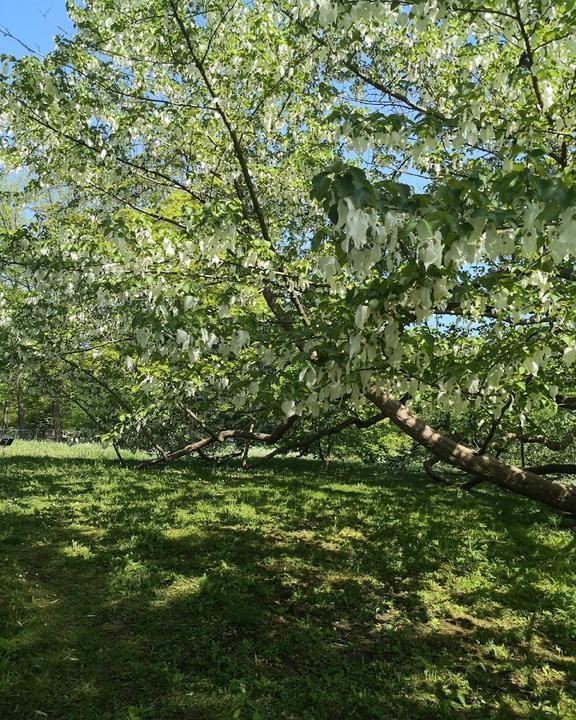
[507, 477]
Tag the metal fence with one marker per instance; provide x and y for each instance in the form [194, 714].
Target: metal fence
[44, 433]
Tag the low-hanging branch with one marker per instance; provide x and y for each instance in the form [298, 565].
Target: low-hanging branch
[305, 443]
[97, 422]
[219, 460]
[220, 437]
[566, 402]
[435, 476]
[553, 469]
[114, 394]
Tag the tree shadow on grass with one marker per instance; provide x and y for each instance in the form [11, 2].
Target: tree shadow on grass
[201, 593]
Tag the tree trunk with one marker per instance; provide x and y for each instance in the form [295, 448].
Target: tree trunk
[57, 421]
[21, 414]
[246, 450]
[508, 477]
[5, 416]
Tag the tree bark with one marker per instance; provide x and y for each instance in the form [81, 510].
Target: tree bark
[57, 421]
[246, 450]
[21, 413]
[508, 477]
[5, 416]
[434, 475]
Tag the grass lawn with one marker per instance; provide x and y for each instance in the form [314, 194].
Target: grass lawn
[197, 592]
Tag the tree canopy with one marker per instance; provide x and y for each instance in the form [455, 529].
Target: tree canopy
[254, 214]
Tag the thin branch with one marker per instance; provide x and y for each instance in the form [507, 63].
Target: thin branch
[555, 444]
[89, 146]
[494, 427]
[148, 213]
[216, 29]
[238, 150]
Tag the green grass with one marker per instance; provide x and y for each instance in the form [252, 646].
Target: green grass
[285, 593]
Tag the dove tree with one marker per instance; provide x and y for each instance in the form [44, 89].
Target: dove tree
[271, 211]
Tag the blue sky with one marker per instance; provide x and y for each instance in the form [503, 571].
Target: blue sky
[35, 22]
